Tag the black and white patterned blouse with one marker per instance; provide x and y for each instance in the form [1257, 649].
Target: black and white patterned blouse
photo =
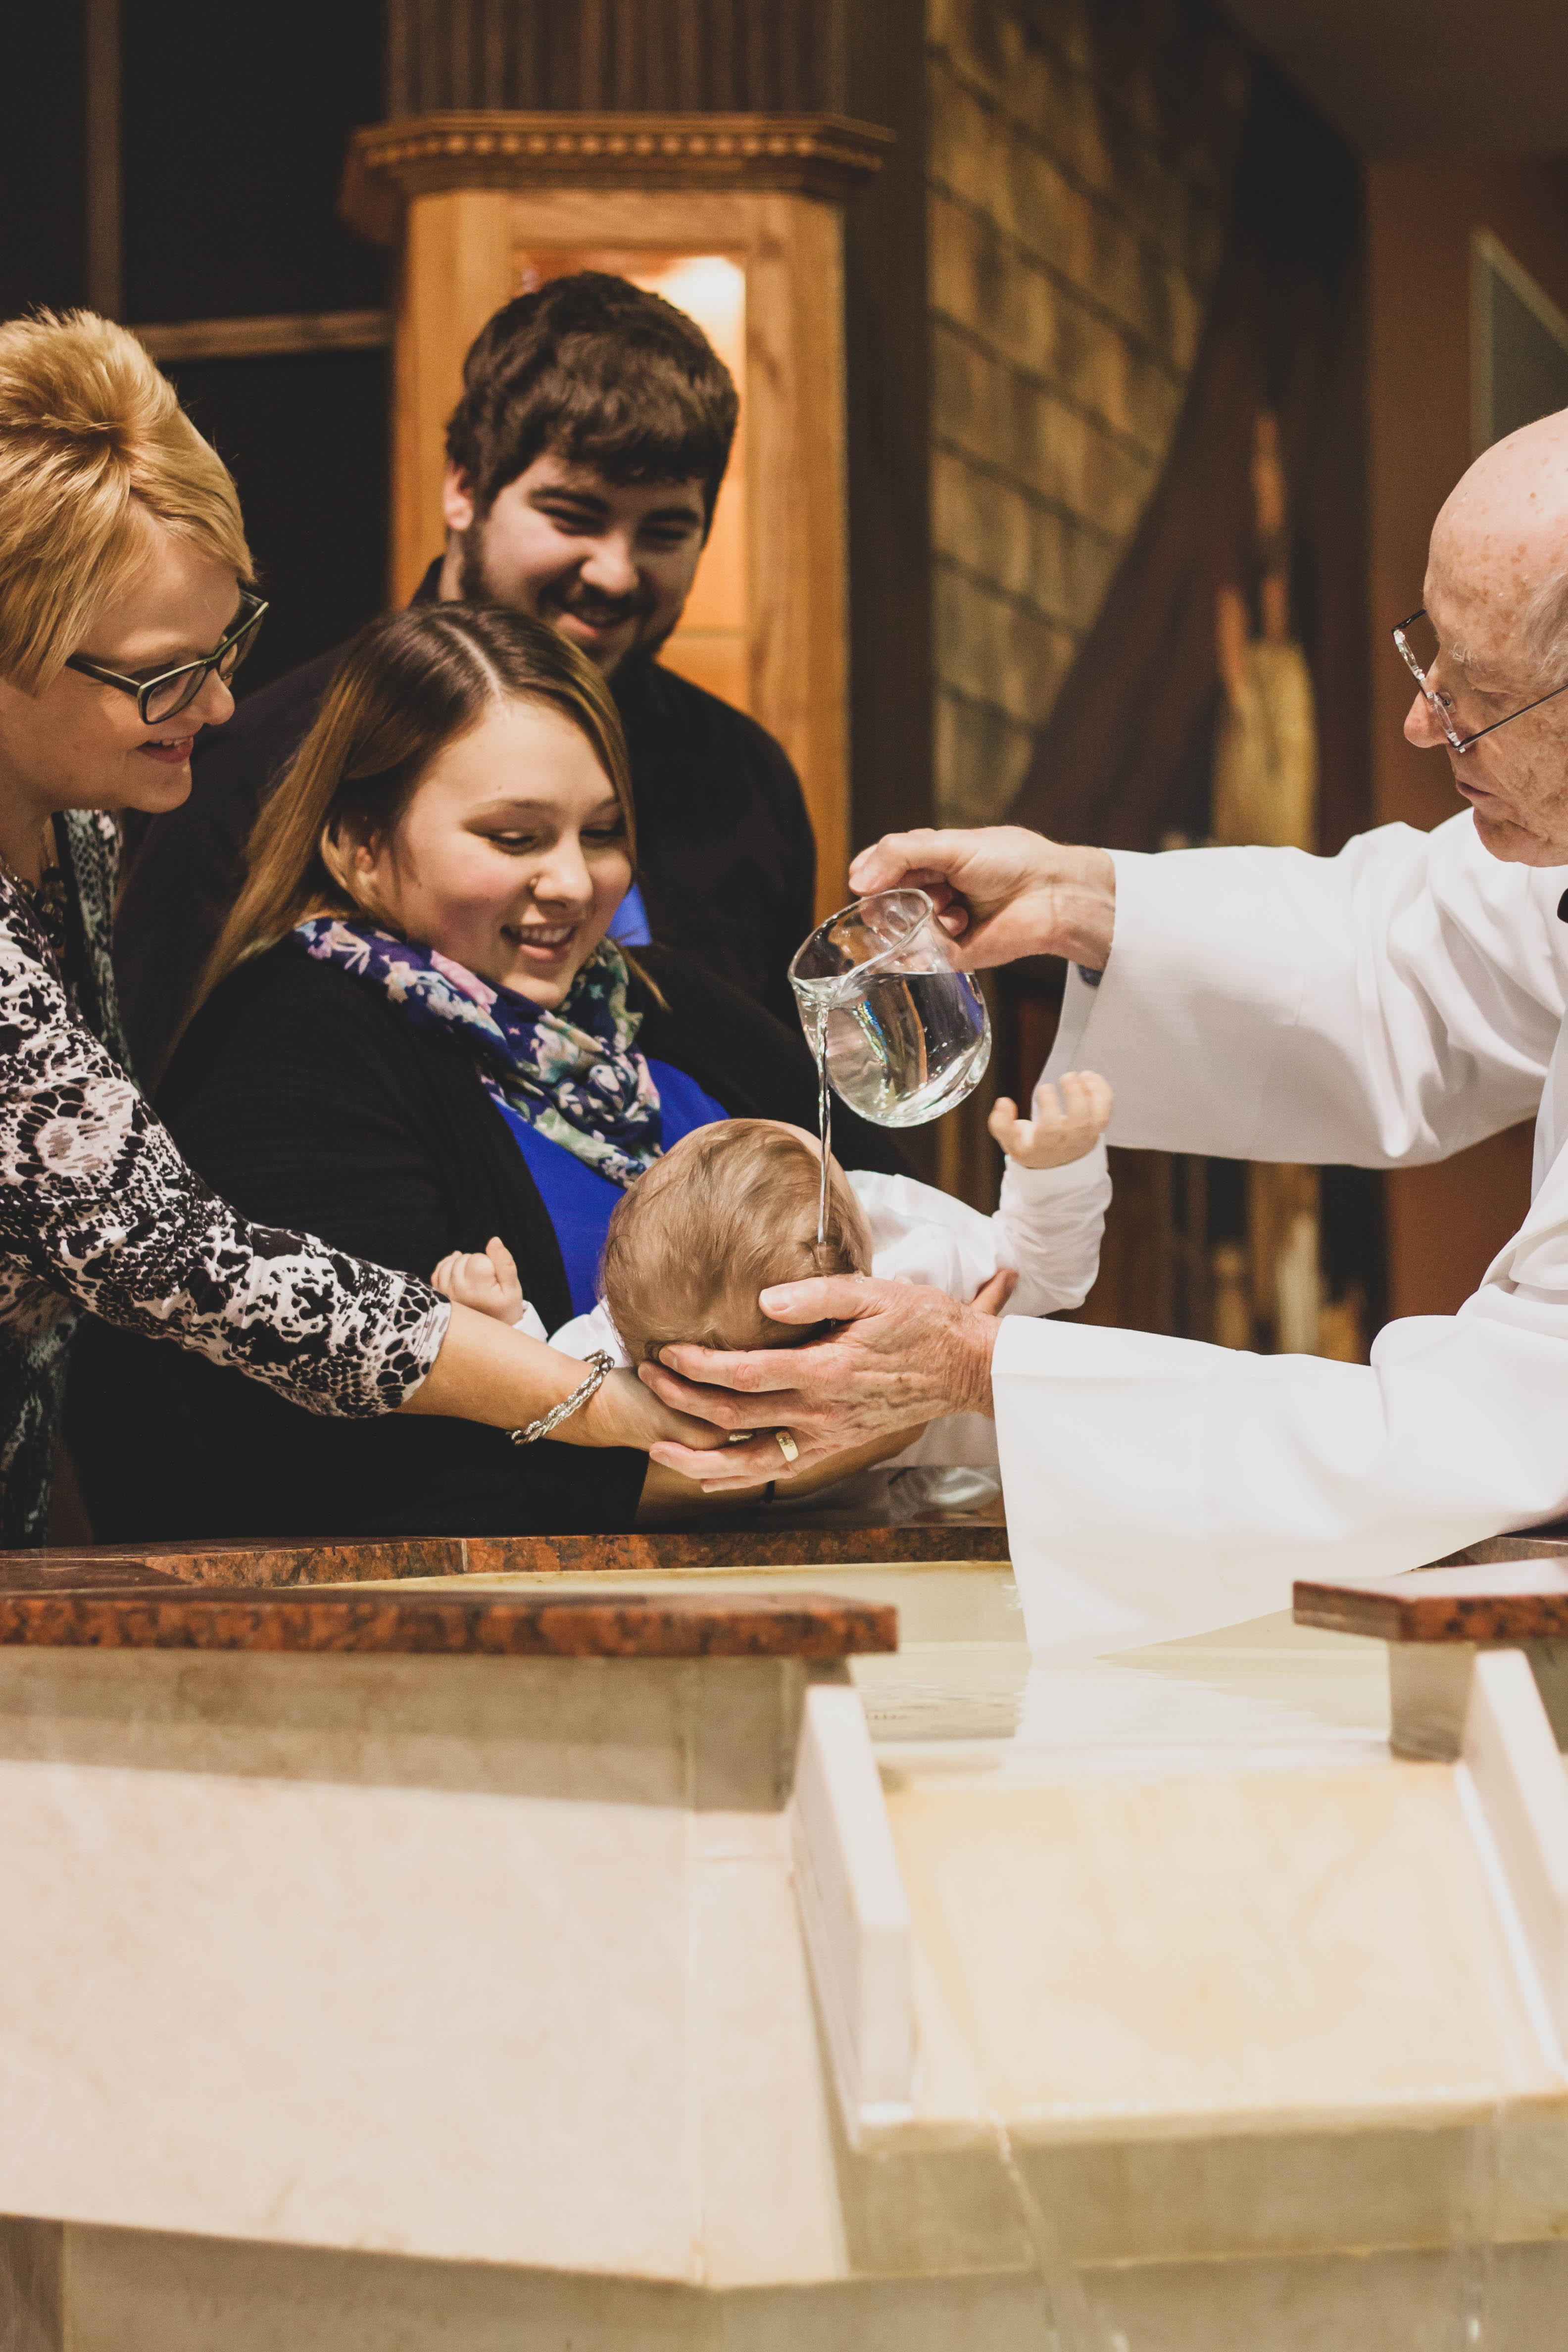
[98, 1211]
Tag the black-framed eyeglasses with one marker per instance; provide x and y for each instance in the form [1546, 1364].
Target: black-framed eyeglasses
[175, 689]
[1419, 657]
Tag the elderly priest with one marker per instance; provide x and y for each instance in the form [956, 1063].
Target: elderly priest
[1384, 1007]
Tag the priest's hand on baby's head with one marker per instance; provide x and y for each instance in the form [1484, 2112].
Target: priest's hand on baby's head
[485, 1279]
[1064, 1126]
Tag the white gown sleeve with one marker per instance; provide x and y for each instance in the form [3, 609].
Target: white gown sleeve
[1392, 1004]
[919, 1234]
[1157, 1487]
[588, 1334]
[1382, 1008]
[1047, 1227]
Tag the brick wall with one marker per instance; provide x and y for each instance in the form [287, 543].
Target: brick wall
[1078, 155]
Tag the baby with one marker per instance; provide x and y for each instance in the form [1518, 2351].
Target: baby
[732, 1208]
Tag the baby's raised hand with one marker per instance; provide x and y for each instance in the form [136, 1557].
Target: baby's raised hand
[1063, 1127]
[485, 1279]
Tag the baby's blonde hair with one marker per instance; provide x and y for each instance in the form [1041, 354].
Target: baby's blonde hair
[730, 1210]
[93, 446]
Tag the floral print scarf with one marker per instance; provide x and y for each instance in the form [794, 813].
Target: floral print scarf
[573, 1074]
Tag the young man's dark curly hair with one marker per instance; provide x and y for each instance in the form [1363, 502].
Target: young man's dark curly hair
[598, 372]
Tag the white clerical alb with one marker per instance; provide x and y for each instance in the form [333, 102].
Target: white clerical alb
[1384, 1007]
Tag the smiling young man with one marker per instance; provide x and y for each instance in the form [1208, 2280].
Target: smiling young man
[583, 461]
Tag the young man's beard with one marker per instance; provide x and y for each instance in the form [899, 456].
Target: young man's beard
[474, 588]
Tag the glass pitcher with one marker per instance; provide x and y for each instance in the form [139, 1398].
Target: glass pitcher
[903, 1033]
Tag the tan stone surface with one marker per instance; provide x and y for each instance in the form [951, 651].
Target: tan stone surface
[1120, 1953]
[502, 1963]
[132, 2292]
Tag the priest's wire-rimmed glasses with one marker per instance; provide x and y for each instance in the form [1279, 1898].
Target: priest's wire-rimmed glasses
[1419, 658]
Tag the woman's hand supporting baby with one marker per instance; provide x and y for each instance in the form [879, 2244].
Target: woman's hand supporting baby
[621, 1412]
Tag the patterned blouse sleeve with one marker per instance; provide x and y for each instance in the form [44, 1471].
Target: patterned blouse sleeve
[96, 1203]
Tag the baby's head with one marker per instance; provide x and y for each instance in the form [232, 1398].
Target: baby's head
[731, 1209]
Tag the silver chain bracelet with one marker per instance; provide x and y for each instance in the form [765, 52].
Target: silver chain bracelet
[600, 1366]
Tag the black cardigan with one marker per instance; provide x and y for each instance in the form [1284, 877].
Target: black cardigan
[310, 1102]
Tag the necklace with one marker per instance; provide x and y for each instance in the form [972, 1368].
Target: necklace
[46, 896]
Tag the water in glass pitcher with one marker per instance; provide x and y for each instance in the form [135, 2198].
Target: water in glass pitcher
[908, 1047]
[899, 1034]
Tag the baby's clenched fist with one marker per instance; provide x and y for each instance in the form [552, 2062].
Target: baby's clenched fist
[485, 1279]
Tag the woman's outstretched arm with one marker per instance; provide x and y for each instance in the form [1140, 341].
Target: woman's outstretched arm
[491, 1373]
[96, 1203]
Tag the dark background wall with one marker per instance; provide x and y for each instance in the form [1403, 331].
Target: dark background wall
[234, 124]
[306, 437]
[233, 127]
[1078, 165]
[237, 217]
[43, 159]
[774, 57]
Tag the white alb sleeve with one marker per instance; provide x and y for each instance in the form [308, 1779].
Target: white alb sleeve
[1157, 1487]
[1384, 1007]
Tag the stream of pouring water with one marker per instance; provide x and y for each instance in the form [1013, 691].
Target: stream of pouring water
[1472, 2234]
[824, 1123]
[1069, 2325]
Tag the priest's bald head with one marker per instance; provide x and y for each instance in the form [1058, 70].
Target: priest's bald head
[1497, 600]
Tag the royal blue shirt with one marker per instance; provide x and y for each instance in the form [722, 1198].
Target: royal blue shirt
[628, 924]
[578, 1198]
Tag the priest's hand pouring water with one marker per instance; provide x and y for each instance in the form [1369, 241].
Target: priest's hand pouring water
[899, 1031]
[895, 1355]
[1001, 892]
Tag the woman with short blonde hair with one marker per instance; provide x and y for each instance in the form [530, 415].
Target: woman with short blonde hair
[126, 600]
[95, 449]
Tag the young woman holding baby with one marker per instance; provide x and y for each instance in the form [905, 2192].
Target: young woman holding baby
[417, 1039]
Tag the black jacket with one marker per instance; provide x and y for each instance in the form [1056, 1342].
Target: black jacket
[726, 858]
[309, 1101]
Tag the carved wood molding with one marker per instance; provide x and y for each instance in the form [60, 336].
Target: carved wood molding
[822, 155]
[269, 338]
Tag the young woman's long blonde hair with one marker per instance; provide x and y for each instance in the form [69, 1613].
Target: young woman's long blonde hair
[407, 685]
